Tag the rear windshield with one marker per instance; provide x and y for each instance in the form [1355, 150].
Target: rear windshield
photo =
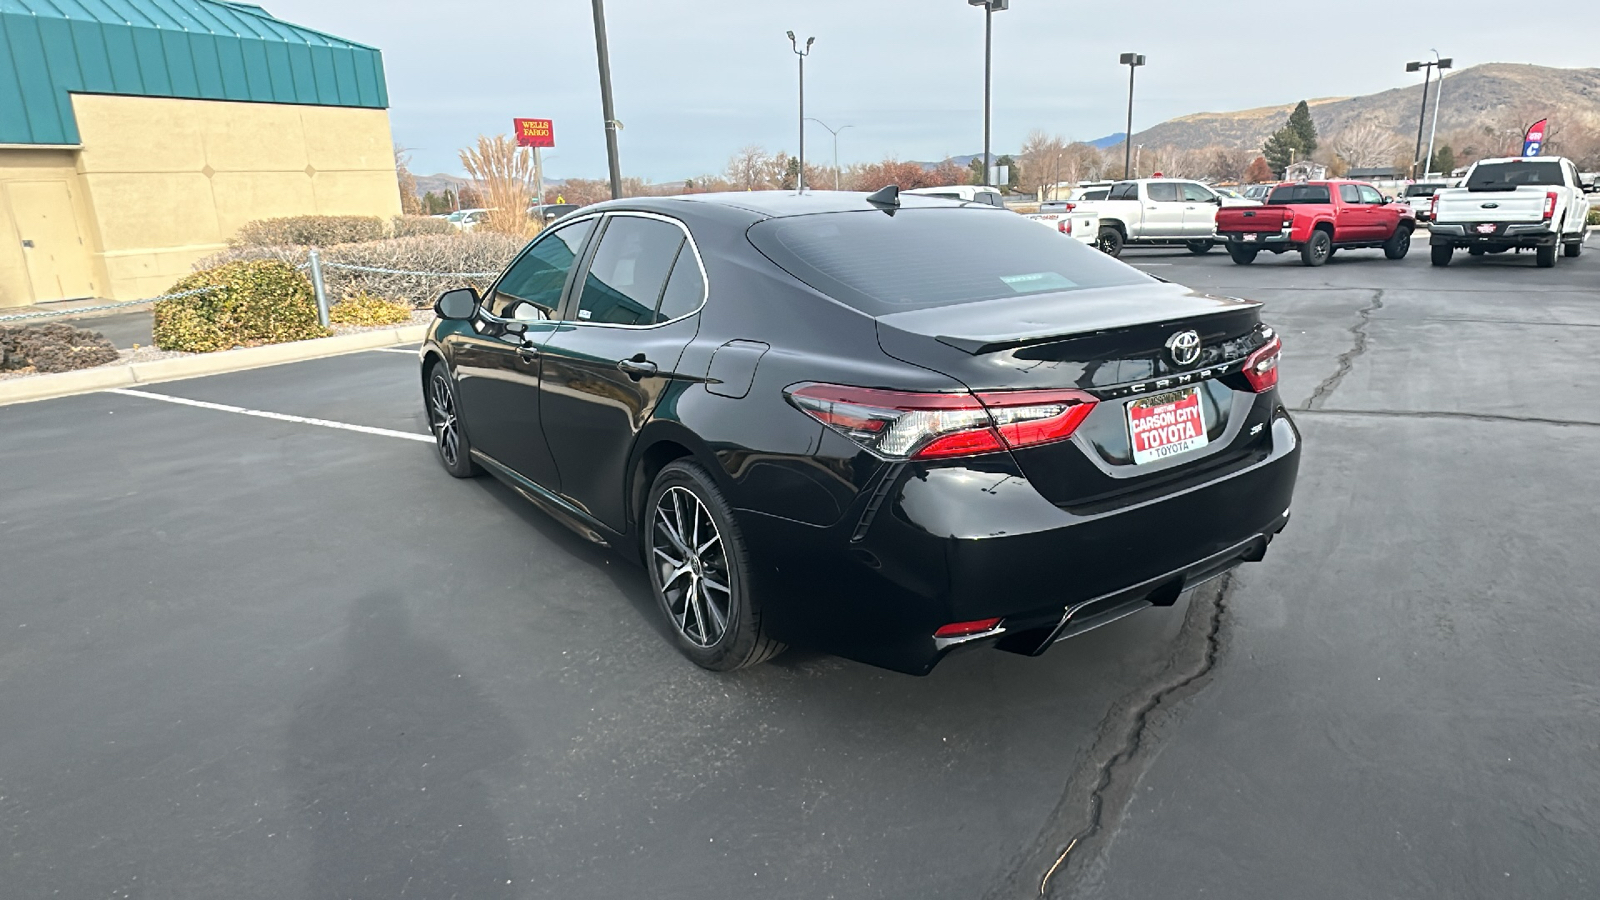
[1422, 190]
[922, 258]
[1508, 176]
[1300, 193]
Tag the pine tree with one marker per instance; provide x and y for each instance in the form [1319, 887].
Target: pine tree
[1304, 129]
[1444, 160]
[1280, 150]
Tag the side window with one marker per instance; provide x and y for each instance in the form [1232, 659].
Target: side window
[531, 288]
[1124, 191]
[1163, 191]
[1349, 194]
[1194, 193]
[629, 271]
[1370, 194]
[686, 289]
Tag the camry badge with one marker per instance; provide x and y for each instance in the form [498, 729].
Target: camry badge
[1184, 347]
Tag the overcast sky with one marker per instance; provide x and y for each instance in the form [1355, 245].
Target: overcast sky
[696, 79]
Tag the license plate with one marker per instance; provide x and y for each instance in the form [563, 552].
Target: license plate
[1165, 425]
[1249, 237]
[1486, 229]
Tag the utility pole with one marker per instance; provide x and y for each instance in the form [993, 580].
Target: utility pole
[989, 9]
[606, 108]
[1422, 118]
[1438, 97]
[1132, 61]
[800, 174]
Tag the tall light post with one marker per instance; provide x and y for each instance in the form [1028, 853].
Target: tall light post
[606, 108]
[800, 176]
[1438, 97]
[835, 133]
[990, 7]
[1422, 118]
[1132, 61]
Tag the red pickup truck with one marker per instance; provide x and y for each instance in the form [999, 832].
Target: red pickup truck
[1317, 218]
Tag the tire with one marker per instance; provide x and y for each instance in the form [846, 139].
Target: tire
[1573, 250]
[1244, 256]
[449, 436]
[702, 583]
[1398, 244]
[1442, 254]
[1200, 247]
[1110, 241]
[1545, 257]
[1316, 249]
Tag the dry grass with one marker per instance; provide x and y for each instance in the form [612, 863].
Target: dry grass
[503, 175]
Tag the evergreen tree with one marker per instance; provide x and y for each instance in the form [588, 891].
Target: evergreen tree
[979, 177]
[1296, 140]
[1014, 172]
[1444, 160]
[1304, 129]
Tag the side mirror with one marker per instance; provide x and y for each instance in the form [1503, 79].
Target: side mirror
[459, 304]
[1588, 187]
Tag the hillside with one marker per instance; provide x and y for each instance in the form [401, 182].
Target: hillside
[1493, 96]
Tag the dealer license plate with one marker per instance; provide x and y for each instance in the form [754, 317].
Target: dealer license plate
[1249, 237]
[1486, 228]
[1165, 425]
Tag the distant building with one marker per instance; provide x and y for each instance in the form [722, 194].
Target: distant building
[1381, 173]
[1305, 170]
[136, 137]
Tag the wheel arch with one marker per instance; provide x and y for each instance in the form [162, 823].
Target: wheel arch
[662, 442]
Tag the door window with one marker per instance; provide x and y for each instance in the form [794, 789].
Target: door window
[629, 272]
[1194, 193]
[1370, 194]
[1127, 190]
[1163, 191]
[1349, 194]
[686, 289]
[531, 288]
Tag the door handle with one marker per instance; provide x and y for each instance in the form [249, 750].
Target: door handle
[528, 353]
[637, 367]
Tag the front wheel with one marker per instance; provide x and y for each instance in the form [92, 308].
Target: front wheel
[444, 420]
[1110, 241]
[1200, 247]
[1442, 254]
[700, 571]
[1545, 257]
[1317, 249]
[1398, 244]
[1244, 256]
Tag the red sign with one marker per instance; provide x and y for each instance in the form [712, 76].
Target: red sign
[534, 132]
[1533, 141]
[1166, 425]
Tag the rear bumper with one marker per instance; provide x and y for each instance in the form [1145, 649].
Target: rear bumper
[1492, 234]
[1276, 241]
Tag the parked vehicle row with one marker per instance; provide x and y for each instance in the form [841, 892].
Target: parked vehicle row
[1318, 219]
[1159, 212]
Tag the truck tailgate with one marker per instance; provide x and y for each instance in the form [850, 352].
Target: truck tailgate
[1520, 205]
[1237, 219]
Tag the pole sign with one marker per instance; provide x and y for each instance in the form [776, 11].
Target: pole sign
[1533, 141]
[534, 132]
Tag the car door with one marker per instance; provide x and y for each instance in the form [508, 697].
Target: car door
[1163, 210]
[497, 370]
[1351, 220]
[1380, 217]
[1200, 207]
[608, 363]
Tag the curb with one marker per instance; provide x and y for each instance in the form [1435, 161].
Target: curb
[84, 381]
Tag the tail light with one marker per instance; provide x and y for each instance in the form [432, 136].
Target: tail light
[962, 629]
[1549, 205]
[1261, 367]
[1069, 207]
[1064, 226]
[902, 425]
[1433, 207]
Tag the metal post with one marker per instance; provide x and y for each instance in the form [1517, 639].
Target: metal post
[1422, 119]
[538, 184]
[1438, 95]
[606, 108]
[988, 55]
[800, 173]
[1127, 138]
[317, 286]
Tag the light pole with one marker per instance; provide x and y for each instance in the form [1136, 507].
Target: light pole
[1132, 61]
[800, 176]
[990, 7]
[1438, 97]
[1422, 118]
[835, 133]
[606, 109]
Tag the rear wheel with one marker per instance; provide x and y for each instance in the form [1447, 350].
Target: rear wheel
[1244, 256]
[1573, 249]
[1442, 254]
[1398, 244]
[1110, 241]
[449, 438]
[1199, 247]
[700, 571]
[1317, 249]
[1545, 257]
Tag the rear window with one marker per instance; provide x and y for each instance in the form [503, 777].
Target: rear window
[1096, 195]
[1299, 193]
[923, 258]
[1422, 190]
[1508, 176]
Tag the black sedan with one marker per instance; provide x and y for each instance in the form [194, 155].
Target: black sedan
[883, 426]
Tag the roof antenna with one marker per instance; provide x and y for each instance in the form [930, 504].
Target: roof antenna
[886, 198]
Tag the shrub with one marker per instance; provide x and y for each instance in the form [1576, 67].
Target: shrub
[251, 302]
[366, 309]
[411, 226]
[473, 251]
[1594, 216]
[308, 231]
[53, 347]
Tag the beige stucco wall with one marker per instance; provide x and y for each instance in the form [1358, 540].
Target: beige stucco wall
[166, 182]
[29, 164]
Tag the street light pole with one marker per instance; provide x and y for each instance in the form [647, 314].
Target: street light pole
[1422, 118]
[1132, 61]
[1438, 97]
[606, 108]
[989, 9]
[835, 133]
[800, 175]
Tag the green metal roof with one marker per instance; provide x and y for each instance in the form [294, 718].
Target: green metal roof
[197, 49]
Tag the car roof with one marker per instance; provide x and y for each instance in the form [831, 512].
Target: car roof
[779, 204]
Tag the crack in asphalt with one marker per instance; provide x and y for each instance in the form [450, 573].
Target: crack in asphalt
[1103, 784]
[1443, 414]
[1347, 359]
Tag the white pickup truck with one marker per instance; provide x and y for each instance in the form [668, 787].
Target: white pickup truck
[1158, 211]
[1078, 224]
[1514, 203]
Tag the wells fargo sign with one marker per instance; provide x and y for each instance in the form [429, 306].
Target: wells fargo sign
[534, 132]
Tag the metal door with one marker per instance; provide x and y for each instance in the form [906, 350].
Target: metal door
[52, 243]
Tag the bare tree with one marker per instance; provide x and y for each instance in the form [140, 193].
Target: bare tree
[750, 168]
[1040, 160]
[1365, 144]
[410, 203]
[1228, 163]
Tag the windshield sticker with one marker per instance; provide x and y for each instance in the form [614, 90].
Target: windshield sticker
[1038, 281]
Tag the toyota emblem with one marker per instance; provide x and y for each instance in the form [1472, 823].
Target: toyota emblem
[1184, 347]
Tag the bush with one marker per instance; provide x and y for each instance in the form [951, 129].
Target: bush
[473, 251]
[252, 302]
[54, 347]
[1594, 216]
[308, 231]
[412, 226]
[365, 309]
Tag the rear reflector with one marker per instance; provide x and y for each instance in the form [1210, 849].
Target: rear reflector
[1261, 367]
[962, 629]
[901, 425]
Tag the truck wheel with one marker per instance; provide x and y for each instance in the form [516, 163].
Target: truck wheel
[1573, 249]
[1199, 247]
[1442, 254]
[1110, 241]
[1545, 257]
[1244, 256]
[1398, 244]
[1317, 249]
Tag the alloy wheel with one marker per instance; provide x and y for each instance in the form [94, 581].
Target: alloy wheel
[442, 417]
[691, 567]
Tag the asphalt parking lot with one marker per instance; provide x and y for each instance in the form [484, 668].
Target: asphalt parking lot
[255, 657]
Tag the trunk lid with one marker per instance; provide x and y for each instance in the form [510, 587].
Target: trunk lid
[1523, 204]
[1240, 219]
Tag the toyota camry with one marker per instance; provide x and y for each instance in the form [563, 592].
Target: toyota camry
[885, 426]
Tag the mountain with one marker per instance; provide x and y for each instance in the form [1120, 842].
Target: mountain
[1110, 140]
[438, 184]
[1485, 100]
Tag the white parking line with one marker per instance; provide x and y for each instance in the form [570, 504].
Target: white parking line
[393, 350]
[263, 414]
